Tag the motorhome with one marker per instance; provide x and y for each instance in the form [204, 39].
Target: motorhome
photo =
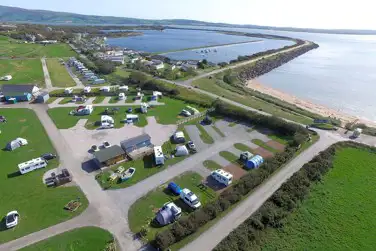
[107, 122]
[158, 155]
[222, 177]
[32, 165]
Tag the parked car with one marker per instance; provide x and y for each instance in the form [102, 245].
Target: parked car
[185, 113]
[106, 144]
[190, 198]
[174, 188]
[130, 110]
[94, 148]
[48, 156]
[11, 220]
[191, 147]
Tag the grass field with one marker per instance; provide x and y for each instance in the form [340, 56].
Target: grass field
[248, 100]
[86, 238]
[39, 207]
[262, 144]
[204, 135]
[22, 71]
[212, 165]
[98, 99]
[218, 131]
[143, 210]
[242, 147]
[59, 74]
[165, 114]
[12, 48]
[339, 213]
[228, 156]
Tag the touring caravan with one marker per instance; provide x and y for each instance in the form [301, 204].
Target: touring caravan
[158, 155]
[32, 165]
[222, 177]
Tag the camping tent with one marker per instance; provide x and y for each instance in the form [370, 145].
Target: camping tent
[164, 217]
[14, 144]
[181, 151]
[23, 142]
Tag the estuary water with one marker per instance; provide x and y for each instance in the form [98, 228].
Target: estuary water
[340, 74]
[173, 39]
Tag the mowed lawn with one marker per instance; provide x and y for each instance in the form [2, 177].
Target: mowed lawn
[164, 114]
[16, 48]
[340, 211]
[86, 238]
[59, 74]
[39, 207]
[143, 211]
[22, 71]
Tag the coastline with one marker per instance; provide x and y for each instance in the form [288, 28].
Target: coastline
[307, 105]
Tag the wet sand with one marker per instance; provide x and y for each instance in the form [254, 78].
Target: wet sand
[307, 105]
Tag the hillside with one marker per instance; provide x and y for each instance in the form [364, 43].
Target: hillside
[14, 14]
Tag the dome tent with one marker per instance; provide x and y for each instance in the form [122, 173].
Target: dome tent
[181, 151]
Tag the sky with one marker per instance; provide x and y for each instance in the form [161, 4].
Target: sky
[324, 14]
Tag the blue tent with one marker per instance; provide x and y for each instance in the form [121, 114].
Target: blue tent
[254, 162]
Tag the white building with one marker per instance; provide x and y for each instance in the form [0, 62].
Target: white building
[32, 165]
[158, 155]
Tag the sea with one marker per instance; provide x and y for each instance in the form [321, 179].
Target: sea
[340, 74]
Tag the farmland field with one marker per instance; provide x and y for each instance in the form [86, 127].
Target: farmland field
[339, 213]
[59, 74]
[39, 207]
[23, 71]
[13, 48]
[86, 238]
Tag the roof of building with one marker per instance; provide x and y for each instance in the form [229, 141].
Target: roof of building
[108, 153]
[9, 90]
[134, 141]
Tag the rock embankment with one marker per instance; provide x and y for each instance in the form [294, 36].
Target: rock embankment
[266, 65]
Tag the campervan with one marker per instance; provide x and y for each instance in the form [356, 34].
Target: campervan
[222, 177]
[158, 155]
[107, 122]
[32, 165]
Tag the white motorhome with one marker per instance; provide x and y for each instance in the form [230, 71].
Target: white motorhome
[131, 118]
[107, 122]
[222, 177]
[190, 198]
[32, 165]
[144, 107]
[158, 155]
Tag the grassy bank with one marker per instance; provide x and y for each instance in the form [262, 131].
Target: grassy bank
[59, 74]
[86, 238]
[23, 71]
[339, 213]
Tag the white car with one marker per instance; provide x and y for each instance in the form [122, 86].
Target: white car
[185, 113]
[190, 198]
[11, 220]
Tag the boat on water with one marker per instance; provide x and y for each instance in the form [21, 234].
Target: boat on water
[127, 174]
[215, 50]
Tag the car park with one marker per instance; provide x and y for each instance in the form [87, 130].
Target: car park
[190, 198]
[48, 156]
[174, 188]
[11, 220]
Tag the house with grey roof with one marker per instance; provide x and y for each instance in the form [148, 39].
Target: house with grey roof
[20, 92]
[109, 156]
[137, 146]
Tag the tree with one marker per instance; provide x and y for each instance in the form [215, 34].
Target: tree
[137, 78]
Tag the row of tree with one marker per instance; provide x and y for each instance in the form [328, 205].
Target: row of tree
[273, 213]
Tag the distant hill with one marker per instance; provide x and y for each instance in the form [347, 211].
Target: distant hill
[14, 14]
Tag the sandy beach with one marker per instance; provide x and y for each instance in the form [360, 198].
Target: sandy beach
[307, 105]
